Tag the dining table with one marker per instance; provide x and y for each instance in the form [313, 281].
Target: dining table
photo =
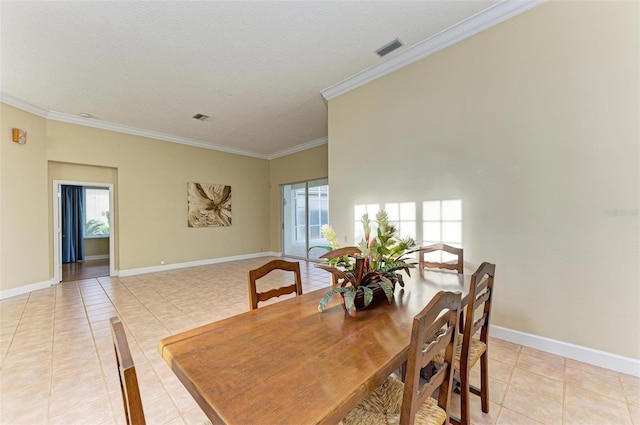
[288, 363]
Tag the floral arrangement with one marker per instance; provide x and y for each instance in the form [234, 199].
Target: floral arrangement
[373, 264]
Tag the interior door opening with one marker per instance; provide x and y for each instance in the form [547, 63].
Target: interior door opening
[83, 230]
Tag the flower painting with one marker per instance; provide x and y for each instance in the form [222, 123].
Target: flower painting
[208, 205]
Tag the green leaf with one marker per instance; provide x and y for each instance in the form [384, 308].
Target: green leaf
[323, 302]
[350, 303]
[387, 287]
[368, 295]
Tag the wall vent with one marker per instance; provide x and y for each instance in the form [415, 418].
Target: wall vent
[201, 117]
[385, 50]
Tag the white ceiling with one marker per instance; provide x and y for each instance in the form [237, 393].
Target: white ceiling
[257, 68]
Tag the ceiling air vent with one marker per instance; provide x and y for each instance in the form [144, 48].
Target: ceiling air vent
[201, 117]
[385, 50]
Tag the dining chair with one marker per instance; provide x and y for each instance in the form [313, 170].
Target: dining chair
[131, 400]
[470, 349]
[296, 287]
[458, 266]
[434, 329]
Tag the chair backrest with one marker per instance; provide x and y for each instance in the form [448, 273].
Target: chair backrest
[458, 266]
[435, 328]
[127, 373]
[480, 296]
[295, 287]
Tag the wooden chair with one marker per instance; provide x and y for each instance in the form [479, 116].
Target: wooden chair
[470, 349]
[434, 329]
[127, 372]
[254, 275]
[458, 266]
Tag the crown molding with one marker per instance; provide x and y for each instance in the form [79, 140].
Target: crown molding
[302, 147]
[17, 103]
[103, 125]
[481, 21]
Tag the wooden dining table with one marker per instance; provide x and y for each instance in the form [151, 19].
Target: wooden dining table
[288, 363]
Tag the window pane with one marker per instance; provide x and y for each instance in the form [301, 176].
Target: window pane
[408, 211]
[452, 231]
[372, 210]
[431, 231]
[96, 212]
[393, 211]
[300, 218]
[452, 210]
[431, 210]
[407, 228]
[314, 232]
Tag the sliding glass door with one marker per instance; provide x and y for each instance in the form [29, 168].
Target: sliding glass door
[305, 209]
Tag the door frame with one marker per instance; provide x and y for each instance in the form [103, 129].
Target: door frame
[57, 225]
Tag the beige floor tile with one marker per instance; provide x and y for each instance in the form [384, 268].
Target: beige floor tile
[545, 364]
[499, 370]
[595, 370]
[497, 388]
[150, 388]
[160, 410]
[533, 405]
[584, 407]
[548, 357]
[596, 383]
[635, 414]
[506, 352]
[510, 417]
[478, 417]
[76, 389]
[194, 416]
[550, 388]
[631, 387]
[93, 412]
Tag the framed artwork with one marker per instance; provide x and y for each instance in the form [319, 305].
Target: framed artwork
[208, 205]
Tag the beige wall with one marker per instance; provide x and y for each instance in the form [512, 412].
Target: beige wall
[24, 247]
[96, 246]
[150, 206]
[305, 165]
[534, 125]
[152, 188]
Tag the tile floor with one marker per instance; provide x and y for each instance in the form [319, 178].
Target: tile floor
[58, 367]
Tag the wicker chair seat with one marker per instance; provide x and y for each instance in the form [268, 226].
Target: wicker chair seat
[476, 350]
[382, 407]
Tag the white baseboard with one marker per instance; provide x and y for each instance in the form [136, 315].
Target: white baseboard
[165, 267]
[96, 257]
[7, 293]
[571, 351]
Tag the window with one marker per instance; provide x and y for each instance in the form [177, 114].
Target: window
[96, 212]
[403, 215]
[318, 209]
[442, 223]
[305, 208]
[358, 212]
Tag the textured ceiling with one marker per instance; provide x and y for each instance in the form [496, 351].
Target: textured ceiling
[256, 68]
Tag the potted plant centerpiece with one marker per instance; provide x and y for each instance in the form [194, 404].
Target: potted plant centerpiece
[371, 268]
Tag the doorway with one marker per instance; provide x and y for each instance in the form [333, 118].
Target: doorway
[305, 207]
[91, 254]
